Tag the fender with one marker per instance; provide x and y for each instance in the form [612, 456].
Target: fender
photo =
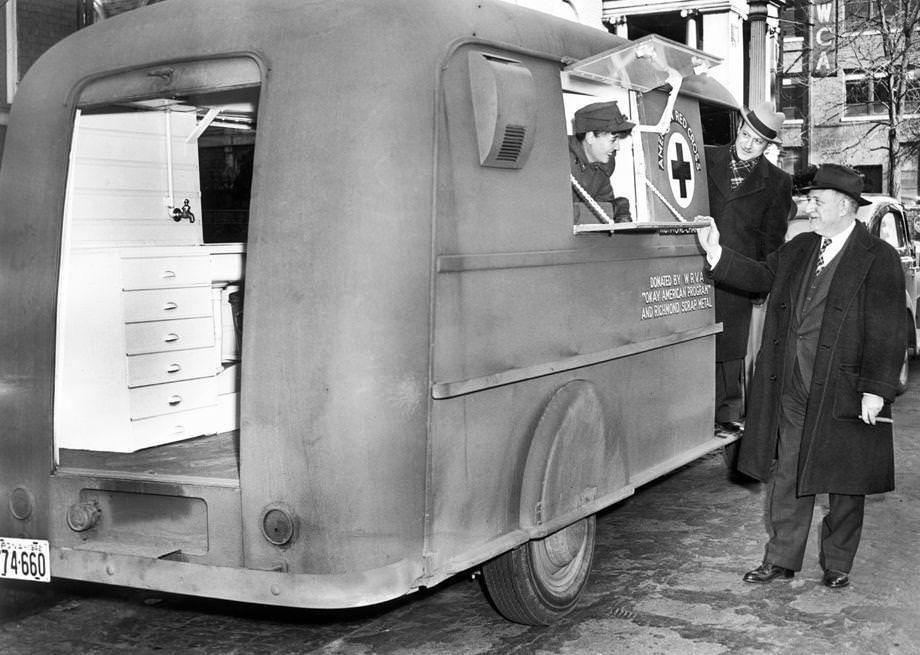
[568, 460]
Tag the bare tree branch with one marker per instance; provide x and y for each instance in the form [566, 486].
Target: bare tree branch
[877, 47]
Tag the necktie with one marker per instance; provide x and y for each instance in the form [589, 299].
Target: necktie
[825, 242]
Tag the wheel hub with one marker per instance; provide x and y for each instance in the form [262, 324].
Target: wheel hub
[563, 546]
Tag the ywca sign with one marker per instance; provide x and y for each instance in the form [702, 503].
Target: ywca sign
[824, 38]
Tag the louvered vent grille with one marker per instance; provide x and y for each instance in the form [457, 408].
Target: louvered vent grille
[504, 108]
[512, 143]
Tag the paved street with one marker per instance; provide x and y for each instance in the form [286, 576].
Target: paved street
[667, 579]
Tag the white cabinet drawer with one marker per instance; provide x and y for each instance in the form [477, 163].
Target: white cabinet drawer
[157, 368]
[161, 336]
[161, 304]
[161, 272]
[172, 427]
[159, 399]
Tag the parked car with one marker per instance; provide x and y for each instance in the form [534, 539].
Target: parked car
[887, 219]
[912, 210]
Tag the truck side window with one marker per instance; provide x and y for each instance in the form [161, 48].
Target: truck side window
[601, 160]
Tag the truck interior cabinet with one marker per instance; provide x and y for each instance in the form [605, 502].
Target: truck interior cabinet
[153, 257]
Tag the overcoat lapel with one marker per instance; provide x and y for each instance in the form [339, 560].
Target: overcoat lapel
[718, 172]
[804, 250]
[855, 261]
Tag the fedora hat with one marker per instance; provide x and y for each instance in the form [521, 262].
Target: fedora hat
[766, 122]
[839, 178]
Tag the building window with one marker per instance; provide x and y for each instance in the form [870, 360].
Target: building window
[794, 97]
[872, 177]
[10, 38]
[866, 95]
[910, 175]
[793, 19]
[860, 15]
[912, 93]
[93, 11]
[670, 25]
[856, 14]
[790, 159]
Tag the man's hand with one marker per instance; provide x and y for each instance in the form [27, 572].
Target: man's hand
[871, 406]
[708, 238]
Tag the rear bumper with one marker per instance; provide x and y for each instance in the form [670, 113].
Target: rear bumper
[239, 584]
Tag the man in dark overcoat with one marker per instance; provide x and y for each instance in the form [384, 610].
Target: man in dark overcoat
[833, 344]
[751, 200]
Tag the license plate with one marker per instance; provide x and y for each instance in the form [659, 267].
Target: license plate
[25, 559]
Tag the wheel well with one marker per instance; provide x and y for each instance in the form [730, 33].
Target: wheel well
[565, 461]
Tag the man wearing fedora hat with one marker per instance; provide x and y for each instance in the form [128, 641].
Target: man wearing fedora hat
[827, 372]
[751, 200]
[598, 129]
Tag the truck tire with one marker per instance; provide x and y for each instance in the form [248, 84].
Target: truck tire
[540, 581]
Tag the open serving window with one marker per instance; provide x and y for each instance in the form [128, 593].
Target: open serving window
[661, 169]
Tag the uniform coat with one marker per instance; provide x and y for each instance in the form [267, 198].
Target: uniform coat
[594, 177]
[860, 349]
[752, 221]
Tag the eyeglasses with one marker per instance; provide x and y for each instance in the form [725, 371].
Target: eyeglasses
[753, 138]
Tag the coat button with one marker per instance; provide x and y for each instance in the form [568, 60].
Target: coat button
[775, 342]
[773, 378]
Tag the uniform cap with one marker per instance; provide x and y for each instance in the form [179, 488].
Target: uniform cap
[600, 117]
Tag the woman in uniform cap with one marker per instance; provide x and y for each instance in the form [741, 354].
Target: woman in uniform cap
[598, 128]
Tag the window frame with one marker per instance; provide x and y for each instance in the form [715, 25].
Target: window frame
[889, 221]
[855, 23]
[799, 102]
[796, 15]
[875, 106]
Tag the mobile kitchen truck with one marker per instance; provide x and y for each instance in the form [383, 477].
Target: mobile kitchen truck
[296, 310]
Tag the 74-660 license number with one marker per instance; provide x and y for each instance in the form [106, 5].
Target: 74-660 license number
[25, 559]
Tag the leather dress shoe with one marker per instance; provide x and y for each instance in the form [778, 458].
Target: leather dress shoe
[835, 579]
[767, 572]
[726, 429]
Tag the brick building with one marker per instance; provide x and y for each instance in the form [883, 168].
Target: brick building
[835, 93]
[29, 28]
[32, 26]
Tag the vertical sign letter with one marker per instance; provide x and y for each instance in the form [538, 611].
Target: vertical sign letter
[824, 38]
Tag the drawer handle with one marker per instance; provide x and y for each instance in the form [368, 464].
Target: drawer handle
[172, 336]
[169, 306]
[179, 429]
[173, 368]
[167, 274]
[174, 400]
